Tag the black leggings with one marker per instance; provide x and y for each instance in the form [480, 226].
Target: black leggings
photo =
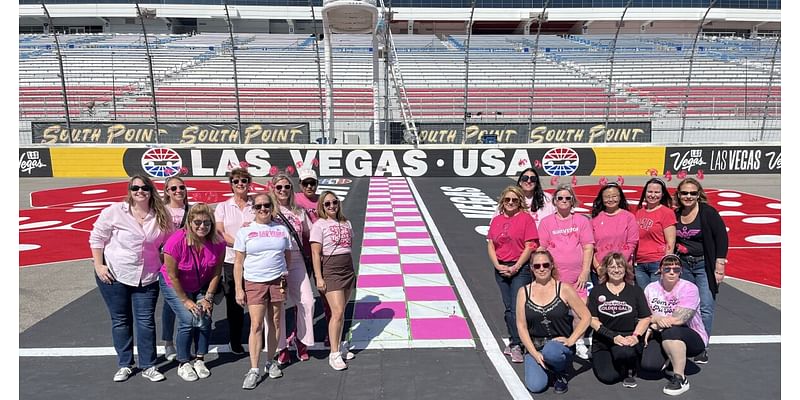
[234, 311]
[653, 357]
[611, 363]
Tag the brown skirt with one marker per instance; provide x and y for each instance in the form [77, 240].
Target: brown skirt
[338, 272]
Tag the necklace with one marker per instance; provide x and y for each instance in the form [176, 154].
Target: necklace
[137, 214]
[615, 290]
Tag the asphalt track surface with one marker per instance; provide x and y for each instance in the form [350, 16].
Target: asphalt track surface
[50, 367]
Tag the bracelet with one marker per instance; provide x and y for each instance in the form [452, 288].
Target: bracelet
[719, 273]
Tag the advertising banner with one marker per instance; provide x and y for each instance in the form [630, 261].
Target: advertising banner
[35, 163]
[724, 160]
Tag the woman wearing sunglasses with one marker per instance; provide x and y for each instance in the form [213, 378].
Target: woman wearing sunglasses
[263, 249]
[569, 237]
[231, 215]
[540, 203]
[300, 298]
[331, 242]
[676, 328]
[620, 317]
[176, 200]
[511, 238]
[545, 321]
[125, 244]
[613, 226]
[190, 276]
[702, 245]
[656, 221]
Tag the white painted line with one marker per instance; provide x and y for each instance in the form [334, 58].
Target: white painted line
[754, 283]
[509, 376]
[411, 344]
[754, 247]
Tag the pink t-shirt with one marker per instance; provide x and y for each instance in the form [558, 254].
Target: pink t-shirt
[509, 234]
[176, 214]
[684, 295]
[336, 237]
[565, 238]
[547, 209]
[231, 217]
[305, 203]
[652, 243]
[612, 233]
[189, 259]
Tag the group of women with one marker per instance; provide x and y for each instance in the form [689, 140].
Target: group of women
[645, 282]
[256, 250]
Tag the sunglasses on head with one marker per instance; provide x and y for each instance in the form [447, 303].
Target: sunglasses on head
[676, 269]
[309, 182]
[206, 222]
[259, 206]
[539, 266]
[136, 188]
[512, 200]
[529, 178]
[562, 198]
[175, 188]
[330, 203]
[243, 180]
[281, 187]
[692, 193]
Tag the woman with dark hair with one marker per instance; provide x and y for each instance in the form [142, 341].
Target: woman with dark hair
[676, 330]
[190, 276]
[331, 246]
[613, 226]
[702, 245]
[656, 221]
[545, 321]
[540, 203]
[511, 238]
[125, 243]
[231, 215]
[620, 317]
[176, 201]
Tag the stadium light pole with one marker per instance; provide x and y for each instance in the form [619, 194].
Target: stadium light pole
[540, 19]
[685, 104]
[150, 68]
[319, 70]
[611, 63]
[769, 85]
[466, 74]
[113, 86]
[61, 73]
[235, 74]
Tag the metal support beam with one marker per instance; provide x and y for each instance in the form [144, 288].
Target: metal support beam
[150, 69]
[60, 71]
[466, 73]
[685, 104]
[235, 74]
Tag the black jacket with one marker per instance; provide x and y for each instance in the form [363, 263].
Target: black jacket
[715, 241]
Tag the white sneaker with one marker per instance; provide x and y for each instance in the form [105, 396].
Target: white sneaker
[201, 369]
[153, 374]
[581, 350]
[123, 374]
[169, 352]
[344, 348]
[336, 362]
[186, 372]
[274, 370]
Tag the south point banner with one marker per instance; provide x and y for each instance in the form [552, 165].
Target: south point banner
[189, 133]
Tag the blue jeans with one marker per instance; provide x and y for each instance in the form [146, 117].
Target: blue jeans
[509, 287]
[132, 307]
[646, 273]
[695, 271]
[556, 356]
[167, 323]
[187, 333]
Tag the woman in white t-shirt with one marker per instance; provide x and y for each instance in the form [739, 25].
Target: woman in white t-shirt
[262, 254]
[331, 240]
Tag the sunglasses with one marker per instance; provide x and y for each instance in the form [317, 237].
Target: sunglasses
[539, 266]
[206, 222]
[175, 188]
[685, 193]
[136, 188]
[529, 178]
[309, 183]
[281, 187]
[512, 200]
[667, 270]
[243, 180]
[562, 198]
[330, 203]
[259, 206]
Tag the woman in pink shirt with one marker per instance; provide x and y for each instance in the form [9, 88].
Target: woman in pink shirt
[656, 221]
[125, 243]
[176, 201]
[331, 242]
[540, 203]
[613, 226]
[511, 238]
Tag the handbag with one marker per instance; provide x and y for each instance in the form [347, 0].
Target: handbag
[296, 237]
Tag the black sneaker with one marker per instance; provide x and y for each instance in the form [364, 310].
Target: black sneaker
[677, 385]
[701, 358]
[560, 385]
[236, 348]
[629, 381]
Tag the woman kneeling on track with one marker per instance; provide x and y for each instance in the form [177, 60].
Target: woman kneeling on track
[190, 276]
[262, 252]
[620, 317]
[545, 310]
[331, 241]
[676, 330]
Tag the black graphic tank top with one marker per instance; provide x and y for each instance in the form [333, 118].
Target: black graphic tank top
[548, 321]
